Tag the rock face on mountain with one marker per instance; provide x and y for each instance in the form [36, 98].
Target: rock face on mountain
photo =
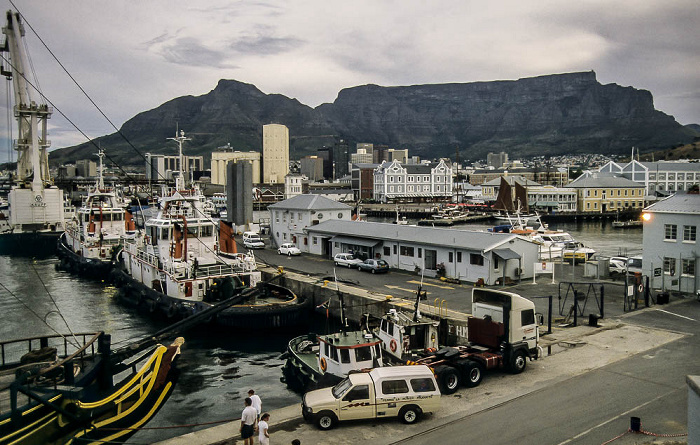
[554, 114]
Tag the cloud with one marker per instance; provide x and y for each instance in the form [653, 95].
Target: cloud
[265, 45]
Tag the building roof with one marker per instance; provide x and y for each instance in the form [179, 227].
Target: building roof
[510, 179]
[672, 166]
[463, 239]
[310, 202]
[679, 203]
[601, 180]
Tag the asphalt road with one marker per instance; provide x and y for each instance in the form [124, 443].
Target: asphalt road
[595, 407]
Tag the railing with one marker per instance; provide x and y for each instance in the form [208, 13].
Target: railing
[12, 351]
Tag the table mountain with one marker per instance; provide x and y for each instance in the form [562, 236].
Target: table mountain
[554, 114]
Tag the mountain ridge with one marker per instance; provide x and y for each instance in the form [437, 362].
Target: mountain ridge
[552, 114]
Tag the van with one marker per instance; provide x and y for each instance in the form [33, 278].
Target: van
[252, 240]
[405, 392]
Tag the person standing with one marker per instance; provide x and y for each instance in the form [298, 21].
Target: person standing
[263, 426]
[248, 420]
[257, 403]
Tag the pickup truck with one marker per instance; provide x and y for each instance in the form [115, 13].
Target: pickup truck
[405, 392]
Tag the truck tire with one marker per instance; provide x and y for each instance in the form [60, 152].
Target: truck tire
[326, 420]
[448, 379]
[473, 373]
[409, 414]
[517, 361]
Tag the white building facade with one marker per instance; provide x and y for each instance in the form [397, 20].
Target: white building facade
[663, 176]
[670, 243]
[416, 182]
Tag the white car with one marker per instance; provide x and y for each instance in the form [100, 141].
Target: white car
[254, 243]
[288, 249]
[346, 259]
[617, 265]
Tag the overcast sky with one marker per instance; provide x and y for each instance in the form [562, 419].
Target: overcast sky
[133, 56]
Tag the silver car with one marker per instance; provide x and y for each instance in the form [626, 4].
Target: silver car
[346, 259]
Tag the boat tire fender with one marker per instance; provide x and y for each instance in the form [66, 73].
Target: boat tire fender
[393, 345]
[324, 364]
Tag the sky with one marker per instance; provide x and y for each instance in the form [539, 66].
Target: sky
[133, 56]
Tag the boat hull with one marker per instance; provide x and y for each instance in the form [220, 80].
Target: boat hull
[29, 244]
[287, 314]
[300, 371]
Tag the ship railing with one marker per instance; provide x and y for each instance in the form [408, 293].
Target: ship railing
[147, 257]
[219, 270]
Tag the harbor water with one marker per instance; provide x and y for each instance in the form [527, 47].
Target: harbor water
[218, 368]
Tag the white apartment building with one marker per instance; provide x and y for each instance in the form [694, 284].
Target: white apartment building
[417, 182]
[550, 199]
[275, 153]
[293, 185]
[665, 177]
[219, 159]
[159, 167]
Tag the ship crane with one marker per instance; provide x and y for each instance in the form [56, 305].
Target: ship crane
[32, 142]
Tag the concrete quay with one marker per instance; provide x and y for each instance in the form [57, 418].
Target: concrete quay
[570, 352]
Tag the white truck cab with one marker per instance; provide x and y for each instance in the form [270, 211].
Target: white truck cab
[405, 392]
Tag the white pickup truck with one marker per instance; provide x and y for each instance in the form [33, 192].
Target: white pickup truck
[405, 392]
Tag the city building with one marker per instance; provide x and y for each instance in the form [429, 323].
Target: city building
[275, 153]
[160, 167]
[313, 166]
[605, 192]
[670, 243]
[545, 175]
[290, 218]
[220, 158]
[395, 154]
[361, 157]
[420, 183]
[294, 185]
[496, 160]
[362, 180]
[472, 256]
[86, 168]
[659, 178]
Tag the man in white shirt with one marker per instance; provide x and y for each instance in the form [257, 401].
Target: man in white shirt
[248, 419]
[257, 403]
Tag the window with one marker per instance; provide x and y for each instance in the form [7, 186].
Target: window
[387, 250]
[670, 232]
[495, 262]
[459, 257]
[688, 267]
[360, 392]
[422, 385]
[394, 387]
[670, 266]
[420, 253]
[344, 355]
[363, 354]
[527, 317]
[340, 216]
[689, 233]
[395, 249]
[476, 259]
[407, 251]
[450, 257]
[314, 240]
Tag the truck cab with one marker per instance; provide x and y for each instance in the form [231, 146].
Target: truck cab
[405, 392]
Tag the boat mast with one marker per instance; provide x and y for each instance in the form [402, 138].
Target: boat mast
[31, 143]
[100, 177]
[180, 181]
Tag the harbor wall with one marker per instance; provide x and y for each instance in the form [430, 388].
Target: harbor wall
[361, 302]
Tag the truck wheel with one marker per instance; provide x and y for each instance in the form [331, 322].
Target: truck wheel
[473, 373]
[517, 361]
[325, 420]
[409, 414]
[448, 378]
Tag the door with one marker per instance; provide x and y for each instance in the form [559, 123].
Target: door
[356, 404]
[431, 259]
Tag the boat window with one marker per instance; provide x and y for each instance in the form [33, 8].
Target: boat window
[192, 231]
[363, 354]
[334, 354]
[164, 233]
[207, 230]
[423, 385]
[394, 387]
[345, 356]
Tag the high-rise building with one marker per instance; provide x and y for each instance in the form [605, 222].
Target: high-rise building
[398, 155]
[312, 167]
[341, 159]
[219, 159]
[86, 168]
[496, 160]
[275, 153]
[380, 153]
[160, 167]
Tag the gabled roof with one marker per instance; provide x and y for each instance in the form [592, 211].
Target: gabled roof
[600, 180]
[464, 239]
[510, 179]
[678, 203]
[310, 202]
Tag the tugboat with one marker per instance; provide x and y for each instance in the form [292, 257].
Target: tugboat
[35, 217]
[180, 264]
[93, 239]
[318, 361]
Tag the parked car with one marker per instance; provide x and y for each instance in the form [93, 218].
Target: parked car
[252, 240]
[617, 265]
[634, 265]
[346, 259]
[374, 266]
[288, 249]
